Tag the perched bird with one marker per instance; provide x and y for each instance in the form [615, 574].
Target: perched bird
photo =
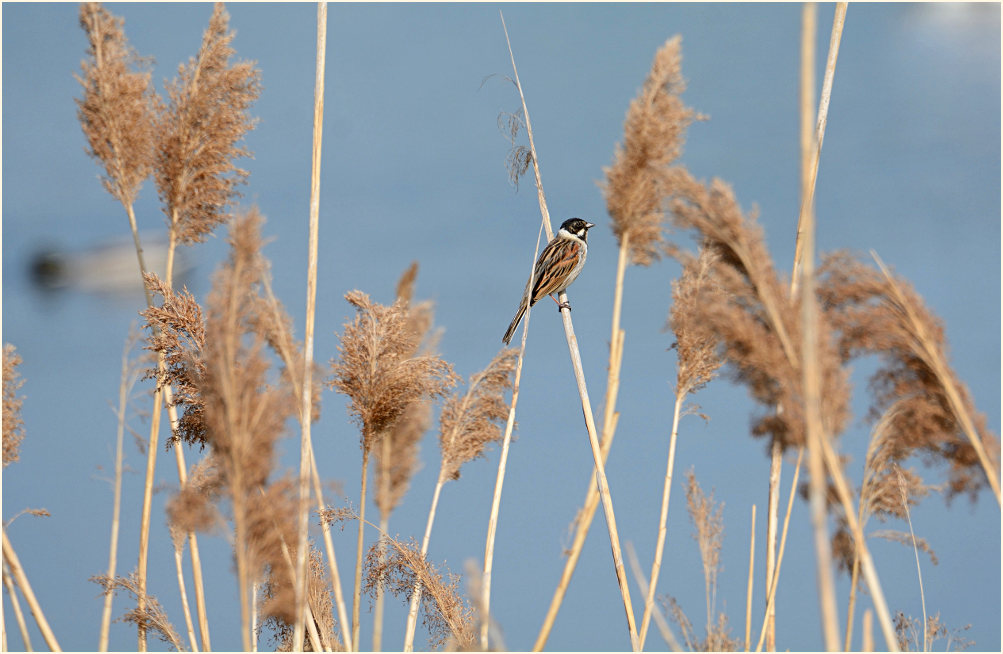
[558, 266]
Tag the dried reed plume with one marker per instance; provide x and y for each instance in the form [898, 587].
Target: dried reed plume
[382, 372]
[695, 345]
[639, 181]
[933, 416]
[908, 631]
[281, 624]
[148, 615]
[469, 423]
[885, 491]
[379, 367]
[709, 535]
[444, 613]
[397, 455]
[274, 323]
[195, 507]
[177, 332]
[13, 427]
[200, 129]
[705, 515]
[118, 106]
[754, 316]
[244, 414]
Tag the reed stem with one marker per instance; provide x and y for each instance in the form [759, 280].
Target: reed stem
[660, 621]
[656, 566]
[752, 567]
[10, 557]
[771, 581]
[18, 615]
[412, 614]
[357, 589]
[116, 512]
[179, 568]
[306, 400]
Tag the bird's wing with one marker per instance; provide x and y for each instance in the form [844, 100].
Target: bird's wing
[556, 263]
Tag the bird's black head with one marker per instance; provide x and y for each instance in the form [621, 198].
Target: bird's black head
[577, 227]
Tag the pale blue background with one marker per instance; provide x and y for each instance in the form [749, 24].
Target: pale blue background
[413, 168]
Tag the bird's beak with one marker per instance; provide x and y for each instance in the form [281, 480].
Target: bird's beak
[589, 225]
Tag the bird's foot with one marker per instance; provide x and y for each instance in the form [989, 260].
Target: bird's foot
[560, 305]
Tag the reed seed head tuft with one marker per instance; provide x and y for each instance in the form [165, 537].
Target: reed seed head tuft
[882, 314]
[470, 422]
[380, 368]
[444, 613]
[118, 106]
[639, 181]
[201, 129]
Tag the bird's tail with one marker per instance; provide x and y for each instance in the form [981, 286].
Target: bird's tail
[507, 338]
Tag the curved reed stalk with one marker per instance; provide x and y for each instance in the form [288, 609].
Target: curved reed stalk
[807, 113]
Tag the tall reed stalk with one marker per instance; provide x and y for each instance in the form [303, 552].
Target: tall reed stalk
[811, 376]
[306, 399]
[806, 91]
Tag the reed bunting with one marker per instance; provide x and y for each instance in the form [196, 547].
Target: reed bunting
[559, 264]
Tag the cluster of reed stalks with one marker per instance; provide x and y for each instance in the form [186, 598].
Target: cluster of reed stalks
[231, 374]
